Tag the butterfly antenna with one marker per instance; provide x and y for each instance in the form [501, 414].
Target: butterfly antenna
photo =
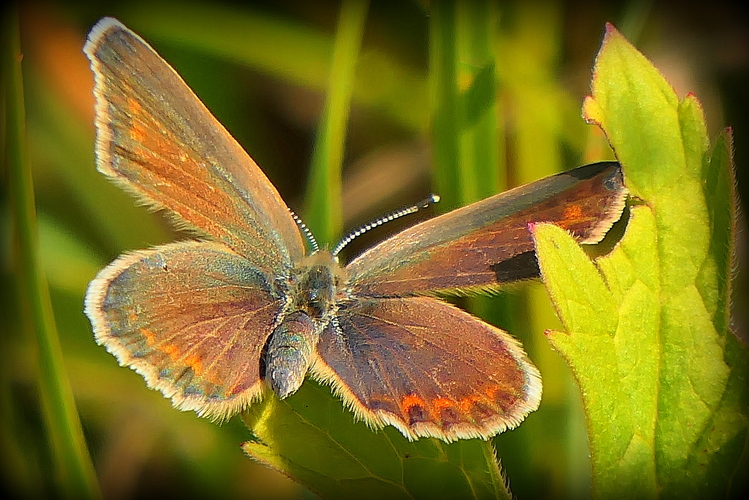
[433, 198]
[307, 233]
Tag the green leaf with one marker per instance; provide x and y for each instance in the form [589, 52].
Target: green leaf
[662, 377]
[611, 346]
[343, 458]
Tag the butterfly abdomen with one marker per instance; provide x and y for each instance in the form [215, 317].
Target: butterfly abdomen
[291, 347]
[289, 353]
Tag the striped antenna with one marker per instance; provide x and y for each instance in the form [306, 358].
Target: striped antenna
[303, 227]
[433, 198]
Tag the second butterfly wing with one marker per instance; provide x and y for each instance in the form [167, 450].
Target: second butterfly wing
[156, 138]
[191, 317]
[487, 243]
[427, 368]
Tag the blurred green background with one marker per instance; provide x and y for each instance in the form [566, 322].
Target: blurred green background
[262, 68]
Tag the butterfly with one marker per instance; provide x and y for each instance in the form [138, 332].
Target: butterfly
[245, 310]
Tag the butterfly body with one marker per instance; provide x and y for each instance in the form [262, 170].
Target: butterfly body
[311, 293]
[216, 322]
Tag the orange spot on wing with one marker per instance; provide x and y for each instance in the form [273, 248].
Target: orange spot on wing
[134, 106]
[488, 397]
[137, 132]
[149, 335]
[572, 213]
[442, 403]
[410, 401]
[491, 391]
[172, 350]
[467, 403]
[195, 363]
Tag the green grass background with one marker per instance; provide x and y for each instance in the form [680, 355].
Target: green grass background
[263, 69]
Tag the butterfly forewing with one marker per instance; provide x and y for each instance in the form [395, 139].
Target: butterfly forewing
[475, 246]
[157, 139]
[428, 368]
[192, 318]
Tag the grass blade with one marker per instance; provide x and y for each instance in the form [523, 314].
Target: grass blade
[75, 472]
[324, 210]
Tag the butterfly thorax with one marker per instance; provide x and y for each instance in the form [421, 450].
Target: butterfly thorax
[311, 297]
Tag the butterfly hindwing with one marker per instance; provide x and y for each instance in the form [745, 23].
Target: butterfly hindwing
[427, 368]
[192, 318]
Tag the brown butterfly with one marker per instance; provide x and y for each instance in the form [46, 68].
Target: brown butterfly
[214, 323]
